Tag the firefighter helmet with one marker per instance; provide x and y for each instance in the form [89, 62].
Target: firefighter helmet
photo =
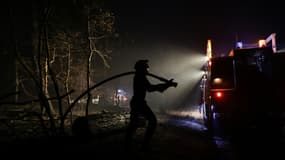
[141, 65]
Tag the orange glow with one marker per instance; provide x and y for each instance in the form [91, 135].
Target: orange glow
[262, 43]
[231, 53]
[209, 49]
[217, 80]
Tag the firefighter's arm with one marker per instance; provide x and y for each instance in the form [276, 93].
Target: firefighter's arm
[162, 86]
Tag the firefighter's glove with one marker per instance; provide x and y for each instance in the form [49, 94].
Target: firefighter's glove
[170, 83]
[162, 87]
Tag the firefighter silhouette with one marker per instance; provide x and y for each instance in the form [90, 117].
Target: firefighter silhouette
[139, 106]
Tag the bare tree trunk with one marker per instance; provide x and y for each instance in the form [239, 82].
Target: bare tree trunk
[88, 82]
[88, 70]
[46, 84]
[66, 83]
[45, 103]
[17, 82]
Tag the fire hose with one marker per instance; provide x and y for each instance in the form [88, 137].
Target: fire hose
[109, 79]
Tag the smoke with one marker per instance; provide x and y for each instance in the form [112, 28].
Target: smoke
[184, 66]
[167, 60]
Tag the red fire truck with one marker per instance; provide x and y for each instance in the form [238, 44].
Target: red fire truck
[245, 88]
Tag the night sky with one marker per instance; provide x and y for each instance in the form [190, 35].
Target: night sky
[191, 23]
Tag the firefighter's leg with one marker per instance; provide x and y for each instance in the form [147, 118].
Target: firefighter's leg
[131, 129]
[151, 126]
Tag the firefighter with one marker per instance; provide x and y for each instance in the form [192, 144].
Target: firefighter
[139, 106]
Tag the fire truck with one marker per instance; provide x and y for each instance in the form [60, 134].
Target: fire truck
[245, 89]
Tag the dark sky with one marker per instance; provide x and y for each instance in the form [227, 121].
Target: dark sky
[193, 22]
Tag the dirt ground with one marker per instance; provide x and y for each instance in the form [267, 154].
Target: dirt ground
[176, 138]
[169, 142]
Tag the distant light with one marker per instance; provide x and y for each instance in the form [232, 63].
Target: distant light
[262, 43]
[239, 45]
[120, 91]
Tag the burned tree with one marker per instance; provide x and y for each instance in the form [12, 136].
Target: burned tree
[48, 72]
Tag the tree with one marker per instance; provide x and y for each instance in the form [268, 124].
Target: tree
[58, 49]
[100, 27]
